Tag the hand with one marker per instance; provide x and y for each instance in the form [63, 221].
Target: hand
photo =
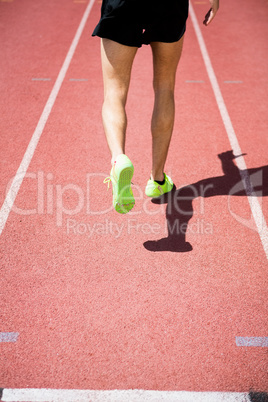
[228, 156]
[212, 12]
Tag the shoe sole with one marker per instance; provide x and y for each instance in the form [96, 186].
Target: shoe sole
[125, 200]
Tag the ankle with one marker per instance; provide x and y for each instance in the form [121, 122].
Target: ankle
[114, 156]
[159, 176]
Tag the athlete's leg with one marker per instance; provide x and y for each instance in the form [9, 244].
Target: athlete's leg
[165, 59]
[117, 62]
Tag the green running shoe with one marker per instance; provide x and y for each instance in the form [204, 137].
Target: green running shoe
[154, 189]
[120, 176]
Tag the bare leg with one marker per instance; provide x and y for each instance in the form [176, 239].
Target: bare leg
[117, 62]
[165, 59]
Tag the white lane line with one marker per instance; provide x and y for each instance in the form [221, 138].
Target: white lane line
[241, 164]
[41, 79]
[233, 82]
[69, 395]
[78, 79]
[194, 81]
[18, 179]
[9, 336]
[257, 341]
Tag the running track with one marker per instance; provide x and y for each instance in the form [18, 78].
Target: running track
[95, 301]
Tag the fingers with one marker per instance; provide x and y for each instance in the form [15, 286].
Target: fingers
[208, 18]
[212, 12]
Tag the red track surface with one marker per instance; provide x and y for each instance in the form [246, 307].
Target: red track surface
[93, 307]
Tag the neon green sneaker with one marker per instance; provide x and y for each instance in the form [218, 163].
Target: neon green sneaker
[120, 176]
[154, 189]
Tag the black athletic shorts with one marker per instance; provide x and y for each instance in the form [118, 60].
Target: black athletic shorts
[138, 22]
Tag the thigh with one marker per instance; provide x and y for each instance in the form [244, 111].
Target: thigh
[166, 57]
[117, 60]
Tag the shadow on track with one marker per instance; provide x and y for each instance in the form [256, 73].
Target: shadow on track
[179, 202]
[258, 396]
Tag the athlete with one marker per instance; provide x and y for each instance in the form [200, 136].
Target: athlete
[124, 26]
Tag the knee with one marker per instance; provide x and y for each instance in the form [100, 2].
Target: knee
[115, 96]
[164, 86]
[164, 94]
